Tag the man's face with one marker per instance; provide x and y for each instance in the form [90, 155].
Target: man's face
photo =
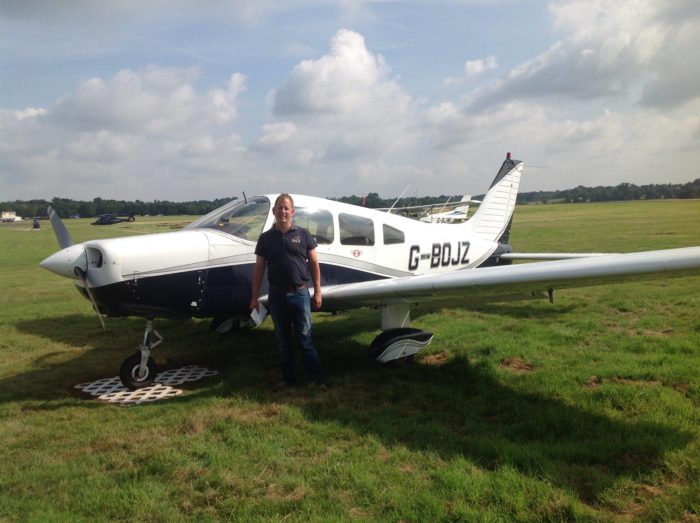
[283, 212]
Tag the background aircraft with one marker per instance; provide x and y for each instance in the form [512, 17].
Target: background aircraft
[110, 219]
[368, 258]
[448, 212]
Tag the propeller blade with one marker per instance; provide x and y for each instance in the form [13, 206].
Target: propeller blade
[59, 229]
[82, 276]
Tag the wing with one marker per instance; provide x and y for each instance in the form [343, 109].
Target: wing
[427, 207]
[540, 256]
[523, 281]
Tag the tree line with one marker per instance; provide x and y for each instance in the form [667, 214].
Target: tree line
[66, 207]
[580, 194]
[624, 191]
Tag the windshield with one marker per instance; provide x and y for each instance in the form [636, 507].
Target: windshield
[238, 218]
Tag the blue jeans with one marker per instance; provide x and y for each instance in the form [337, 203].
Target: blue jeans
[292, 310]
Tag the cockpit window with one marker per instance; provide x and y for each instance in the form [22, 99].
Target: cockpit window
[317, 221]
[238, 218]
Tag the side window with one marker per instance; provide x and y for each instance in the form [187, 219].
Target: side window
[317, 221]
[392, 235]
[355, 230]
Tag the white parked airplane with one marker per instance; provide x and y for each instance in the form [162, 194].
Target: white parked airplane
[459, 214]
[368, 258]
[449, 212]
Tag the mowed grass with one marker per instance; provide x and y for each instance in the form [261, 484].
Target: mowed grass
[587, 409]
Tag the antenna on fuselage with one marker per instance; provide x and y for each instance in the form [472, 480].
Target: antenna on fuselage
[397, 199]
[245, 200]
[445, 204]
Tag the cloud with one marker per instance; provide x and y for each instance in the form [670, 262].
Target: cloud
[472, 70]
[341, 82]
[616, 95]
[152, 101]
[342, 105]
[149, 130]
[610, 50]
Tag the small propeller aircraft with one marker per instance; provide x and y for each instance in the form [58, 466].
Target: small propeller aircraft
[111, 219]
[448, 212]
[368, 258]
[459, 212]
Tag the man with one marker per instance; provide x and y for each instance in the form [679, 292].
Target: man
[289, 253]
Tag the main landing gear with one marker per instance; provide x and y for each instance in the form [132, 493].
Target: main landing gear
[399, 340]
[396, 344]
[139, 369]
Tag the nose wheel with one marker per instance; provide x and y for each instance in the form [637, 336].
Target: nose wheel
[131, 374]
[139, 369]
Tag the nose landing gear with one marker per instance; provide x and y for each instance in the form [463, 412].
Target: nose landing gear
[139, 369]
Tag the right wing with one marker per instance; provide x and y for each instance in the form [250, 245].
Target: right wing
[521, 281]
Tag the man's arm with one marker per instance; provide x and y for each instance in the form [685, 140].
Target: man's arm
[315, 270]
[258, 273]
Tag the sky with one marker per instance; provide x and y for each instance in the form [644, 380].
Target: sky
[182, 100]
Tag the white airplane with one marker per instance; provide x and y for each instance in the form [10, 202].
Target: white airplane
[450, 212]
[459, 214]
[368, 258]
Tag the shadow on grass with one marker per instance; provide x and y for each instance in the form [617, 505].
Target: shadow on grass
[455, 409]
[83, 352]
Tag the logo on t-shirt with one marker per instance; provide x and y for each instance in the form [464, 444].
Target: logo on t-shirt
[295, 239]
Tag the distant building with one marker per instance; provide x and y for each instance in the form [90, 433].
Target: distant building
[10, 216]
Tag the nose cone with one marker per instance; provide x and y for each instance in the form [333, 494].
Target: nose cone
[64, 262]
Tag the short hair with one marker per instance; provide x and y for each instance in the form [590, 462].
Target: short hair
[283, 196]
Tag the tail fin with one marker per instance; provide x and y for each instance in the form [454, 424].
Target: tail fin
[62, 234]
[493, 218]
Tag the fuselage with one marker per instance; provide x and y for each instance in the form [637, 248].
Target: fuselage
[205, 269]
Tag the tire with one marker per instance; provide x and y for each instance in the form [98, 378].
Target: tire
[128, 373]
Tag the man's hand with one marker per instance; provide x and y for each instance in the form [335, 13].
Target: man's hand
[316, 300]
[254, 304]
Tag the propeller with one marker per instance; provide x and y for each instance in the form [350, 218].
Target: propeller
[82, 276]
[70, 259]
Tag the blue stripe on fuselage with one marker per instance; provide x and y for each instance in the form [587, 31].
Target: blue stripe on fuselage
[204, 293]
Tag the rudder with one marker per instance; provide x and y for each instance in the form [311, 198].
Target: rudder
[493, 218]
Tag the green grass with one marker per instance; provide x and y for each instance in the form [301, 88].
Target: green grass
[584, 410]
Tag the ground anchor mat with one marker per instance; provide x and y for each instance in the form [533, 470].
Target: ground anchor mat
[111, 390]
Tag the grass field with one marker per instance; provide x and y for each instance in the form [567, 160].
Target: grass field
[584, 410]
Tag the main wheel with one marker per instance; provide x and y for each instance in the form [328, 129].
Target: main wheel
[395, 344]
[129, 372]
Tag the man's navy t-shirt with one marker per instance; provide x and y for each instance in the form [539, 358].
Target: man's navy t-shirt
[286, 256]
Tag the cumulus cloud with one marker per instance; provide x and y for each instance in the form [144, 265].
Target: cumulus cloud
[152, 101]
[472, 70]
[344, 104]
[617, 93]
[150, 129]
[610, 50]
[347, 79]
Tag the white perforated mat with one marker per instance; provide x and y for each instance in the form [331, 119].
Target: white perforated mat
[111, 390]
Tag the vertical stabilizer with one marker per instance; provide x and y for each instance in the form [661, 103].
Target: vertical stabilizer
[492, 220]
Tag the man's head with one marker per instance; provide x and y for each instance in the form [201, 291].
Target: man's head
[283, 211]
